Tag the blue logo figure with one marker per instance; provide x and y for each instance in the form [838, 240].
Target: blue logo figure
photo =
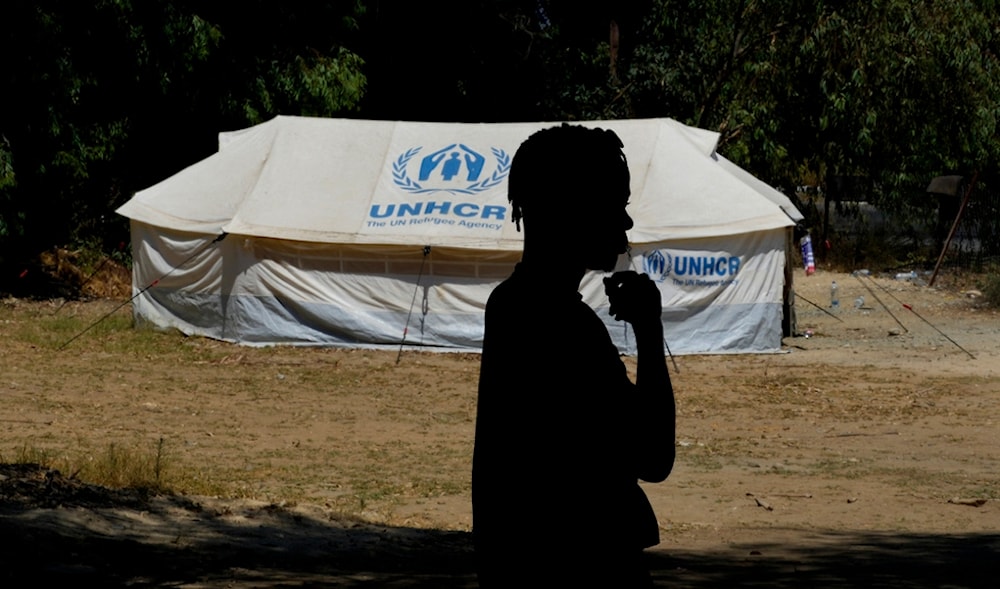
[440, 170]
[450, 167]
[657, 264]
[473, 164]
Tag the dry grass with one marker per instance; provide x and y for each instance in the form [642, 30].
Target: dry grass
[116, 467]
[358, 433]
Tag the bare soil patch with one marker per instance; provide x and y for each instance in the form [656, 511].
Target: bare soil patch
[862, 456]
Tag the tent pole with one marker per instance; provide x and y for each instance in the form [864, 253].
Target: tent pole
[416, 288]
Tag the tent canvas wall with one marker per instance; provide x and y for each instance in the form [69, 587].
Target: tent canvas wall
[351, 232]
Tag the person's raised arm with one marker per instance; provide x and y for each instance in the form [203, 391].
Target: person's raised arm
[636, 299]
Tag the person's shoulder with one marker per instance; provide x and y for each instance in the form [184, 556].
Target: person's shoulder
[507, 294]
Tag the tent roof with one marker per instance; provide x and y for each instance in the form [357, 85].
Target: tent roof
[380, 182]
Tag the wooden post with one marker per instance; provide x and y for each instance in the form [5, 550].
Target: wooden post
[954, 226]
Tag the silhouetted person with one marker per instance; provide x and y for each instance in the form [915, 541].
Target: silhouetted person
[562, 434]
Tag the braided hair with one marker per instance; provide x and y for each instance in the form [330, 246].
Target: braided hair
[563, 164]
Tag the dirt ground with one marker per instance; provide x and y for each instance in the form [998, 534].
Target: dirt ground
[864, 455]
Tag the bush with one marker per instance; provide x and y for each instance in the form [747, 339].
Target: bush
[991, 286]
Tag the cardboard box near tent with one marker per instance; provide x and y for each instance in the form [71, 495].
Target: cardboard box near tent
[342, 232]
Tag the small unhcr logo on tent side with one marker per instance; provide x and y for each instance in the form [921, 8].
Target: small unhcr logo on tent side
[455, 169]
[692, 270]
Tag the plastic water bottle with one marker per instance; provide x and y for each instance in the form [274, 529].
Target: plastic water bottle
[834, 296]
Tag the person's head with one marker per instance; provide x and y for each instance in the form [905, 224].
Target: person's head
[570, 184]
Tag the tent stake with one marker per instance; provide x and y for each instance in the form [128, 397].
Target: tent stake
[884, 306]
[672, 359]
[919, 316]
[797, 295]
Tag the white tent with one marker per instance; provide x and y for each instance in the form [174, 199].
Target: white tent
[378, 233]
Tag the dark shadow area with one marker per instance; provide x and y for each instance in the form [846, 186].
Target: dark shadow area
[284, 550]
[291, 552]
[57, 532]
[878, 560]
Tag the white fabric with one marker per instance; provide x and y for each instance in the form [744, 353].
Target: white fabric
[328, 221]
[259, 291]
[345, 181]
[719, 295]
[763, 188]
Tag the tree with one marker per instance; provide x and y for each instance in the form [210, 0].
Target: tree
[892, 91]
[107, 97]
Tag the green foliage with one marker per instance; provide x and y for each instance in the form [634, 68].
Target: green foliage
[112, 96]
[314, 83]
[894, 92]
[991, 286]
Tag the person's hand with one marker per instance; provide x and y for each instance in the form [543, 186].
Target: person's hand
[633, 297]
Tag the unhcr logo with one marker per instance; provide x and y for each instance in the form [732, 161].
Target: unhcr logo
[657, 265]
[454, 169]
[691, 269]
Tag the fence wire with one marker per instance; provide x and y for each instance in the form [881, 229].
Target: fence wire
[856, 233]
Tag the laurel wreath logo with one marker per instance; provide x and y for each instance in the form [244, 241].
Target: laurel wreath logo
[402, 180]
